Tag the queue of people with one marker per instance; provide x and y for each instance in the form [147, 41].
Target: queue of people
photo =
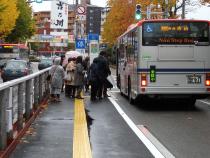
[77, 75]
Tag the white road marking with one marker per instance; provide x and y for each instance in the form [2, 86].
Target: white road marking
[155, 141]
[151, 147]
[114, 91]
[205, 102]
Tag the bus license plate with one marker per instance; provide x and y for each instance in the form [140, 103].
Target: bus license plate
[193, 79]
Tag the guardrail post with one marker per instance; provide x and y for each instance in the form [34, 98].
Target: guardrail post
[47, 84]
[40, 88]
[20, 106]
[28, 107]
[36, 92]
[9, 115]
[4, 101]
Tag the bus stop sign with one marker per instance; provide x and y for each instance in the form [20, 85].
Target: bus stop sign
[93, 37]
[80, 44]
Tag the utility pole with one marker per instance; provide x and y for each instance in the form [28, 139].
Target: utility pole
[166, 10]
[76, 22]
[183, 9]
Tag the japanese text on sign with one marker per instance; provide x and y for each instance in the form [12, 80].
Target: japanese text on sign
[174, 28]
[59, 14]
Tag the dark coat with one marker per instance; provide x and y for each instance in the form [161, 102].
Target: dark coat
[79, 75]
[103, 68]
[93, 76]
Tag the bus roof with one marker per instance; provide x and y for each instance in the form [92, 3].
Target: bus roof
[170, 20]
[140, 23]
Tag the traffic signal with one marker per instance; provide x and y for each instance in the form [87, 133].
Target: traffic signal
[38, 1]
[138, 12]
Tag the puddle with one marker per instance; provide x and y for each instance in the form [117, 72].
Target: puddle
[89, 123]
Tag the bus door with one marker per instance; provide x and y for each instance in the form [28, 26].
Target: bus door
[122, 62]
[131, 57]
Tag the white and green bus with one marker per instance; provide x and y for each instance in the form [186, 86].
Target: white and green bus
[165, 58]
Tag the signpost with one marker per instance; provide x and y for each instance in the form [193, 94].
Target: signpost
[81, 10]
[80, 45]
[93, 40]
[93, 37]
[93, 50]
[59, 15]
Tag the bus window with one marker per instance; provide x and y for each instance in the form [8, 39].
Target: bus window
[121, 51]
[6, 49]
[135, 43]
[129, 49]
[175, 32]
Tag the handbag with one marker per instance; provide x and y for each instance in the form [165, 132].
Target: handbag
[69, 76]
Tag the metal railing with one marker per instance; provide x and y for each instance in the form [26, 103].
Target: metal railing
[18, 99]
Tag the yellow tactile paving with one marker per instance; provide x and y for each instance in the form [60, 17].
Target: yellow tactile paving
[81, 142]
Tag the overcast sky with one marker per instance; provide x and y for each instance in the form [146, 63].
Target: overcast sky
[46, 5]
[196, 13]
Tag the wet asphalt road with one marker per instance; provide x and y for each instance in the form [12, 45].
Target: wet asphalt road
[51, 135]
[183, 131]
[110, 136]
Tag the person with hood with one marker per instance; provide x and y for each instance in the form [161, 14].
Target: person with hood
[57, 76]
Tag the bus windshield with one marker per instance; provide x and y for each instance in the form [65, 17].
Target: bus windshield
[175, 32]
[7, 49]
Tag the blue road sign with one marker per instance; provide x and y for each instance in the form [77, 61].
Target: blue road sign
[80, 44]
[93, 37]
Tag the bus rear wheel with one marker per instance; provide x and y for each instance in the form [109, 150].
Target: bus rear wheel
[191, 102]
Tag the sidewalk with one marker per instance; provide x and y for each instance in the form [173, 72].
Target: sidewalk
[60, 131]
[51, 135]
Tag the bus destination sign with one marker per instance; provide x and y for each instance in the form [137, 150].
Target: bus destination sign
[184, 28]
